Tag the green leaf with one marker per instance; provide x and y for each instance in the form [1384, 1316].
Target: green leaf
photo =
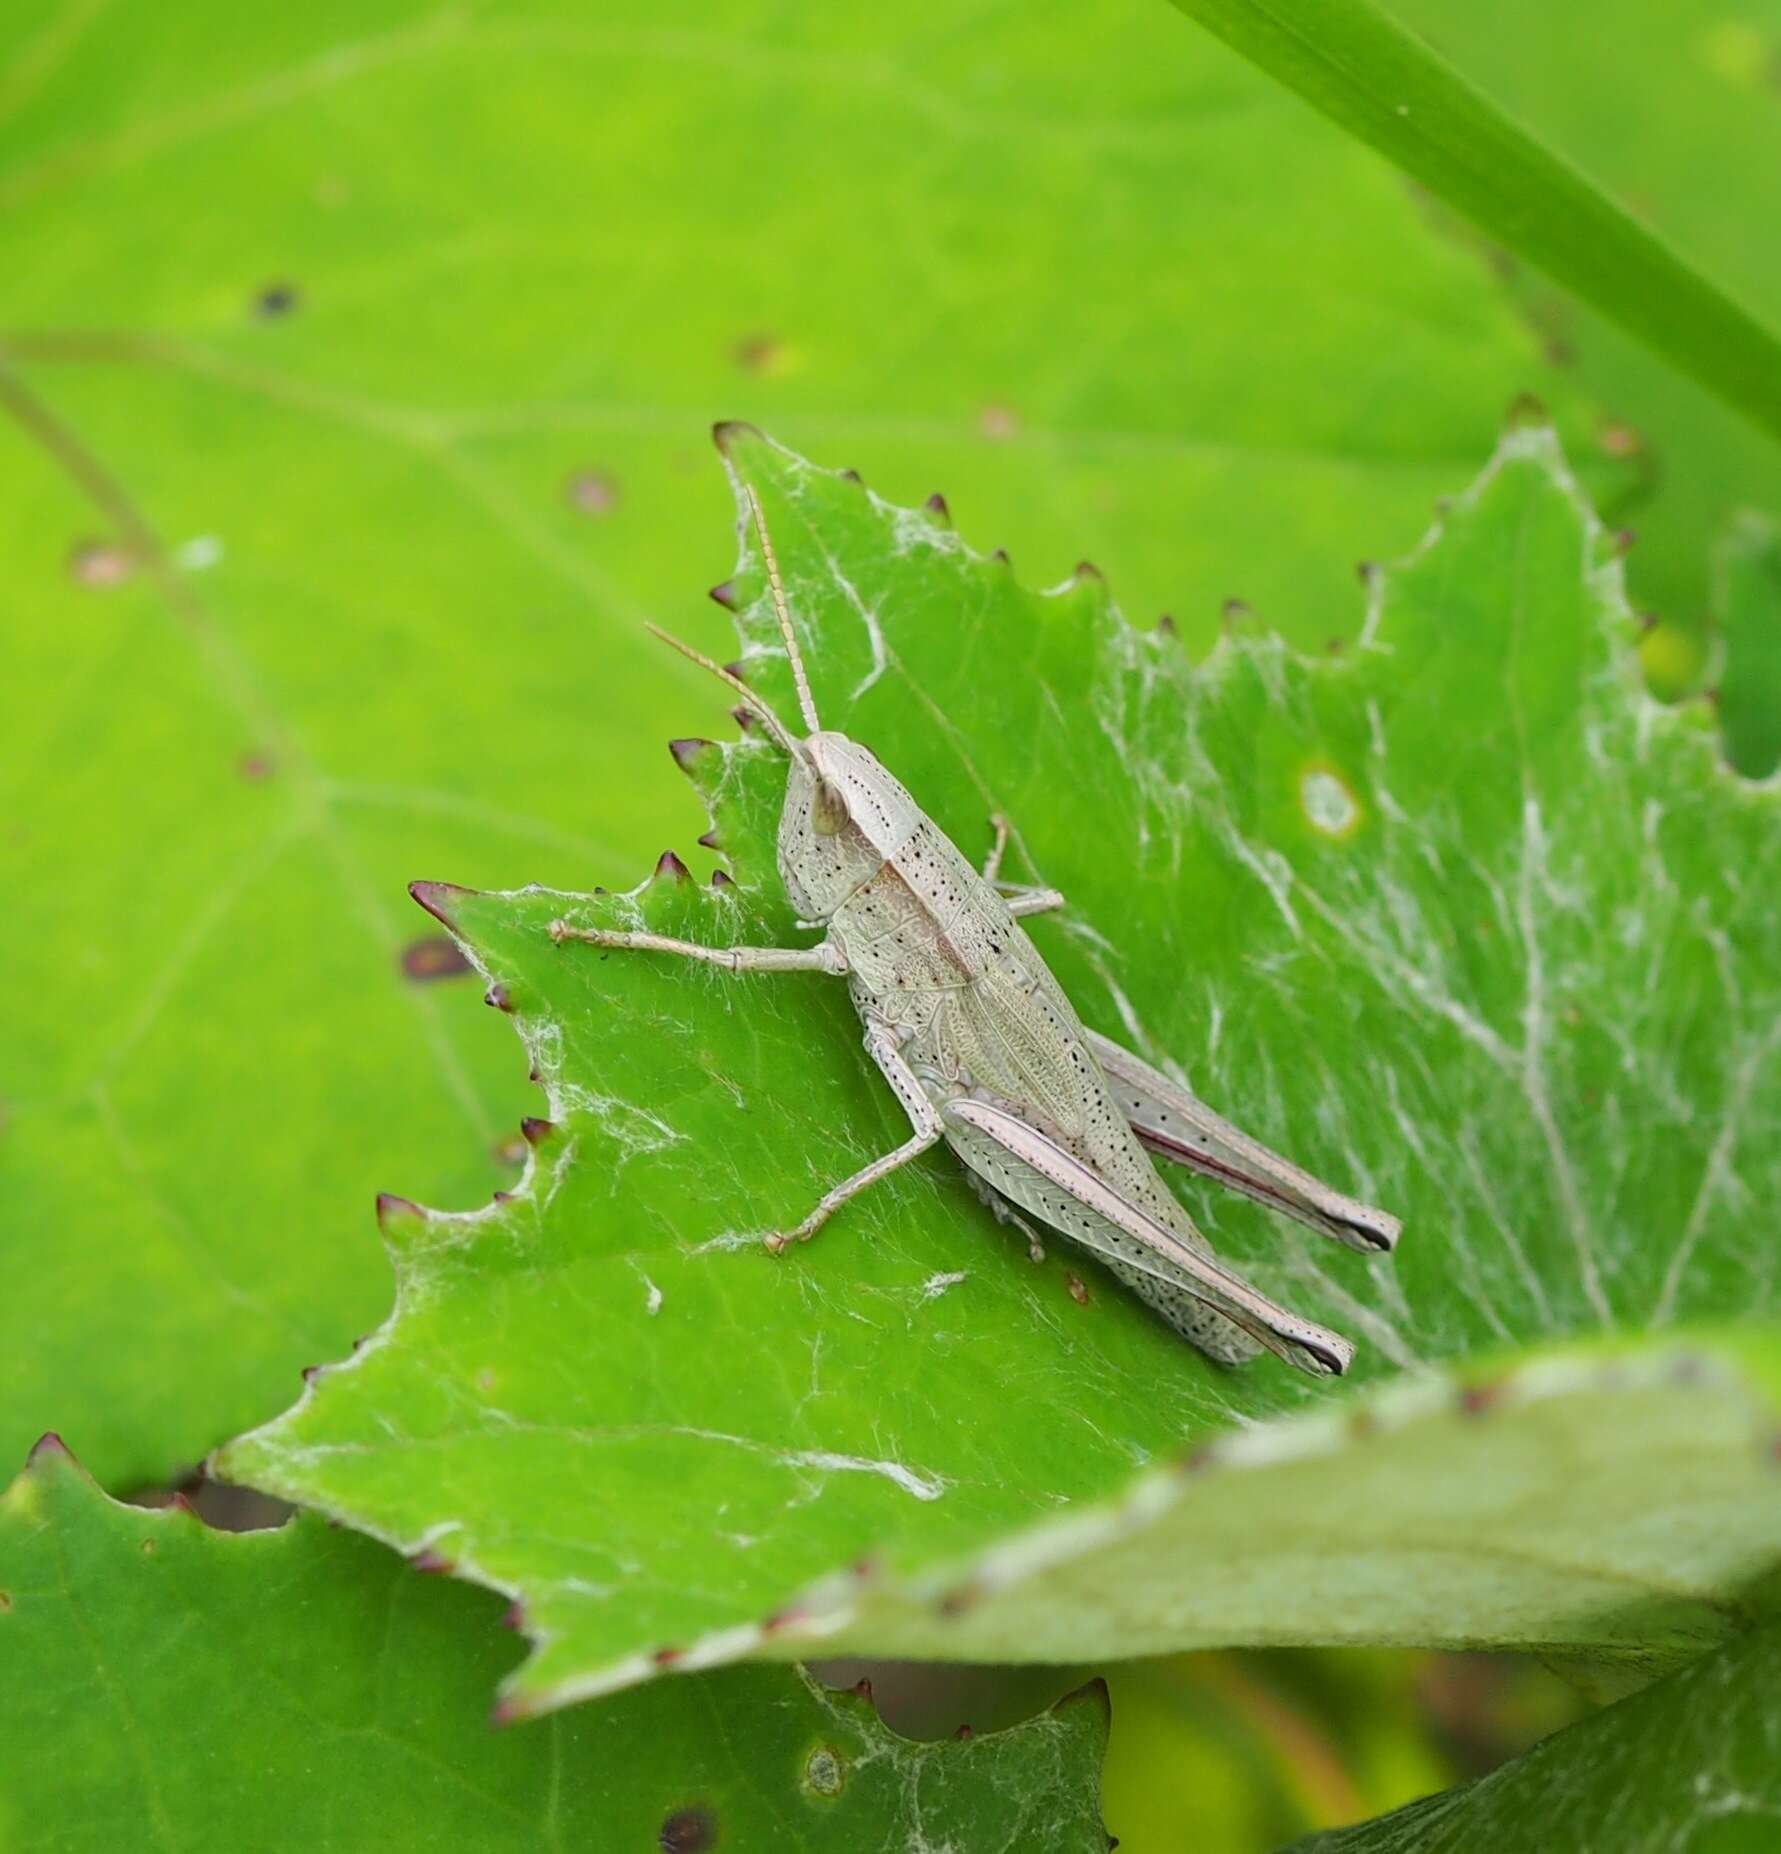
[1382, 83]
[172, 1687]
[1690, 1764]
[1461, 919]
[1749, 595]
[354, 367]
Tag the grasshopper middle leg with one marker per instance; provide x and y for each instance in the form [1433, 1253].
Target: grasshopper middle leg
[1021, 897]
[923, 1118]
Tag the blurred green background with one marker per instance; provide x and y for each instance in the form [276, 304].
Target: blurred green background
[356, 363]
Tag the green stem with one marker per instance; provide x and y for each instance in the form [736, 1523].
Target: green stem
[1386, 86]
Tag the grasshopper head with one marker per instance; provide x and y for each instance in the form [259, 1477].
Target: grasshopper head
[844, 815]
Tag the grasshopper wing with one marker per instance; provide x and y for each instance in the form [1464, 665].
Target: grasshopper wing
[1042, 1177]
[1177, 1125]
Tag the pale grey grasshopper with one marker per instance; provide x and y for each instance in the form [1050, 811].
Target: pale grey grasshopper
[983, 1049]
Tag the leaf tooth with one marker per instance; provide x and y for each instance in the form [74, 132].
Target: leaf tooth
[438, 898]
[536, 1131]
[514, 1617]
[431, 1563]
[394, 1213]
[936, 506]
[48, 1447]
[852, 476]
[669, 868]
[721, 879]
[498, 997]
[1525, 412]
[724, 594]
[727, 433]
[1087, 570]
[694, 756]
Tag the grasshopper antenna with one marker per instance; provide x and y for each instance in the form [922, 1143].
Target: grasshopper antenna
[806, 702]
[750, 700]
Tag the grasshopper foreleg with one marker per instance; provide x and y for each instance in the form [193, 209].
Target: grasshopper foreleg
[882, 1043]
[825, 956]
[1021, 897]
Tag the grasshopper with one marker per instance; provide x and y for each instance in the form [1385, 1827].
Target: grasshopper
[983, 1049]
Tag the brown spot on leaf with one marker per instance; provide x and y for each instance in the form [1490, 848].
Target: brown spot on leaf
[593, 492]
[759, 353]
[1619, 439]
[100, 563]
[254, 766]
[688, 1831]
[435, 956]
[275, 300]
[998, 421]
[825, 1771]
[1479, 1399]
[509, 1151]
[5, 1601]
[1077, 1288]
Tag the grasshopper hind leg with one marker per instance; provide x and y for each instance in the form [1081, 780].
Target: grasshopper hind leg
[1004, 1212]
[1220, 1339]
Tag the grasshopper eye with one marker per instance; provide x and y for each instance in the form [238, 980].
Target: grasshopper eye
[828, 810]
